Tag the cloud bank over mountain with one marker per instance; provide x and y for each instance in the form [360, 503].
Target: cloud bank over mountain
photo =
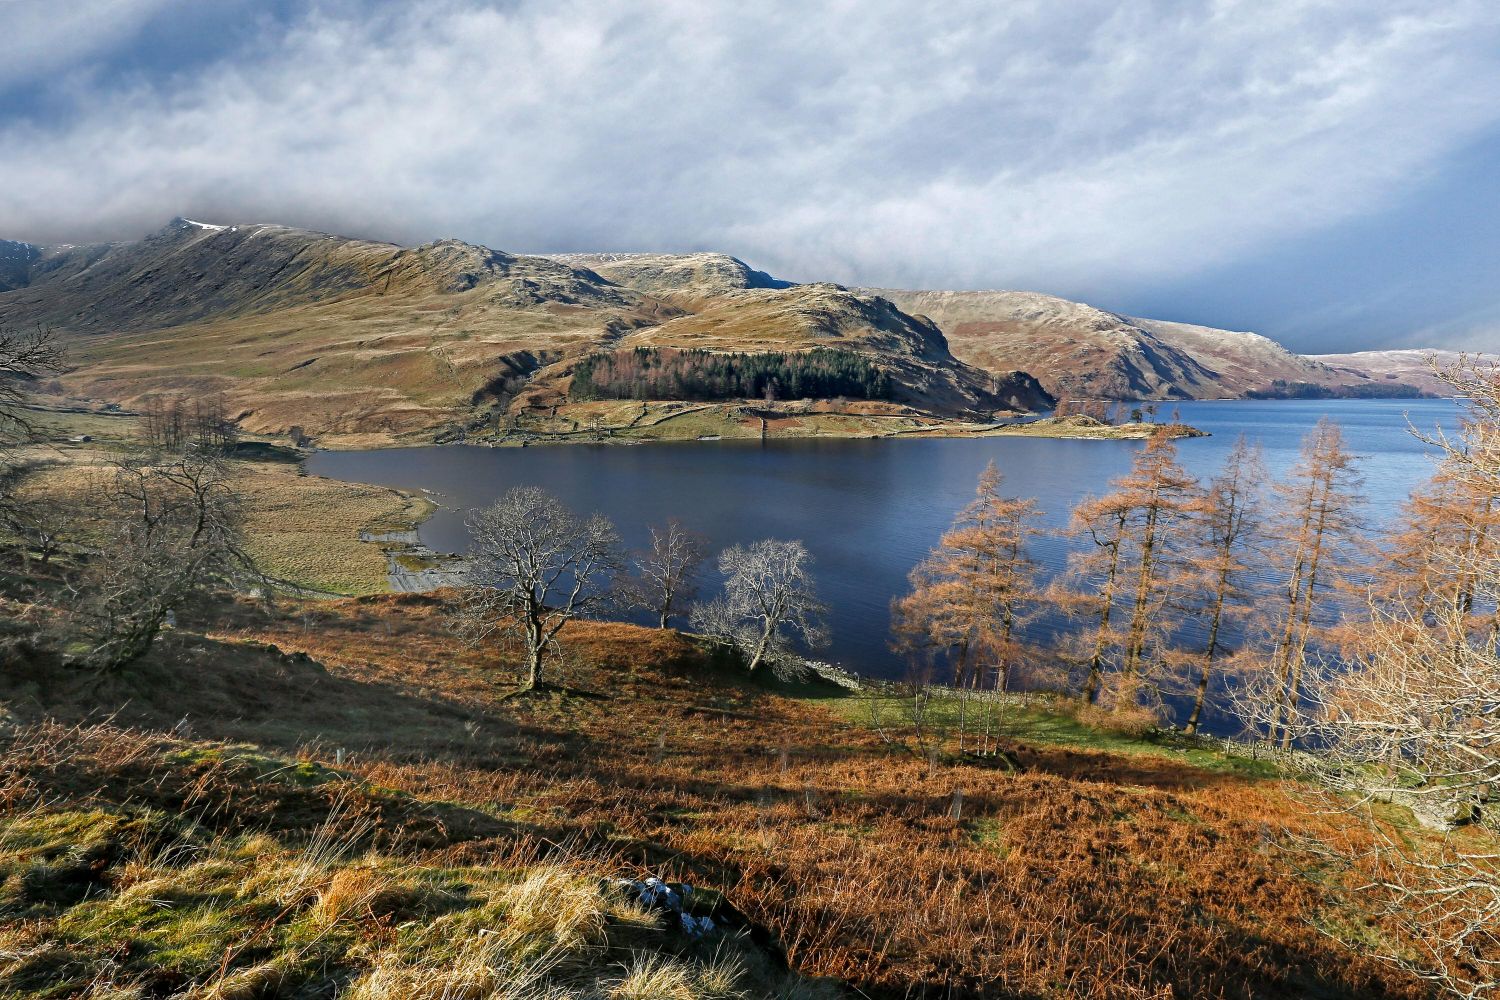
[1099, 150]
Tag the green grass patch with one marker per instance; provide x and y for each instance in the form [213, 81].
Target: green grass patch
[1033, 723]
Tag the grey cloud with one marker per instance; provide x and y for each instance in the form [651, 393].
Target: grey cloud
[966, 144]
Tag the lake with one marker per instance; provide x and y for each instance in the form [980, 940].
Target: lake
[870, 509]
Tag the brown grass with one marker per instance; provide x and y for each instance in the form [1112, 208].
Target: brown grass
[1085, 874]
[301, 529]
[306, 529]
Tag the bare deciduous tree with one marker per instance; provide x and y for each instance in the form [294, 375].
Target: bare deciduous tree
[768, 603]
[169, 534]
[533, 567]
[41, 520]
[173, 423]
[24, 358]
[668, 570]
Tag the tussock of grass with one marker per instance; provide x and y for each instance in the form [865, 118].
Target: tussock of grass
[654, 977]
[552, 909]
[126, 900]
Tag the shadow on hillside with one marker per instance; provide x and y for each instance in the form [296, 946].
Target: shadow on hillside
[248, 692]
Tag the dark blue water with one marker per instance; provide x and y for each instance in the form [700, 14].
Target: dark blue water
[869, 510]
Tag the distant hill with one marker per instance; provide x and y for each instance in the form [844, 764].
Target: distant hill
[356, 337]
[1078, 350]
[347, 336]
[1404, 367]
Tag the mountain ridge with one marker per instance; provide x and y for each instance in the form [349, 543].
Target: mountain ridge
[347, 336]
[341, 335]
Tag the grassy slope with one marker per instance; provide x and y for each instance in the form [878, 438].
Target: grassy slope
[1108, 870]
[301, 529]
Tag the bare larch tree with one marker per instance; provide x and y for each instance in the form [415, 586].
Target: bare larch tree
[534, 566]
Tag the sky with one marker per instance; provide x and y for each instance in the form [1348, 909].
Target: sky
[1323, 173]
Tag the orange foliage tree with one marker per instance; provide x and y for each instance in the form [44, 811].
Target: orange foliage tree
[1313, 539]
[970, 595]
[1228, 523]
[1133, 568]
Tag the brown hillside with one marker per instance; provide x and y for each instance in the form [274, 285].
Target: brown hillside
[1083, 874]
[375, 342]
[1078, 350]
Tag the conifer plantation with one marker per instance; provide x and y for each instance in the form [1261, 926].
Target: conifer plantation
[707, 376]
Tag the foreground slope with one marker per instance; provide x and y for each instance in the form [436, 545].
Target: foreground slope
[1122, 870]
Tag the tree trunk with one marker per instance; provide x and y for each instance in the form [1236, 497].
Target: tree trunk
[1220, 594]
[1096, 662]
[1139, 616]
[760, 651]
[961, 664]
[536, 642]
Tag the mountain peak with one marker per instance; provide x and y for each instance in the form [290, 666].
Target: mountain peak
[686, 276]
[181, 223]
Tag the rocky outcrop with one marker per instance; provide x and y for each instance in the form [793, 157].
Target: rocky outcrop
[16, 259]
